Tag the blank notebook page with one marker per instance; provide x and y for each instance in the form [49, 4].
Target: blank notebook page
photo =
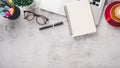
[80, 18]
[51, 5]
[56, 6]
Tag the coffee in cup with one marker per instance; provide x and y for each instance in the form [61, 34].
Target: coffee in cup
[115, 13]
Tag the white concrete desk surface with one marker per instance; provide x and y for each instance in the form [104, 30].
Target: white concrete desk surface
[22, 45]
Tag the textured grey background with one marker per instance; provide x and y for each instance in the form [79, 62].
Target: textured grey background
[22, 45]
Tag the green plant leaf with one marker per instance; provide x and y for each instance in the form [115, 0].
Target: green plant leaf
[22, 2]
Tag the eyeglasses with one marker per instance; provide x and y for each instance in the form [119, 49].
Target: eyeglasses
[40, 19]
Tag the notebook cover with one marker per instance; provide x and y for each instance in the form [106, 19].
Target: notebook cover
[80, 18]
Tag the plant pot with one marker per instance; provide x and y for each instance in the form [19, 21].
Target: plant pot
[16, 13]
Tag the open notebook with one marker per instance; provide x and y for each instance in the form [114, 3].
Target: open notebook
[80, 18]
[56, 6]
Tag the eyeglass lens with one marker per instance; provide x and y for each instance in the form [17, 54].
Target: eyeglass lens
[29, 16]
[40, 20]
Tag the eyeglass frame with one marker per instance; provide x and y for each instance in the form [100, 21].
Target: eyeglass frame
[36, 15]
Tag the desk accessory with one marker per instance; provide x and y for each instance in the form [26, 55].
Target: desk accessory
[12, 4]
[8, 11]
[80, 18]
[40, 19]
[49, 26]
[97, 9]
[111, 9]
[5, 9]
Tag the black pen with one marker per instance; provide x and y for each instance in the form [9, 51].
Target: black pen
[49, 26]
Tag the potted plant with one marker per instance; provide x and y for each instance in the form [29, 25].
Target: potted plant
[14, 4]
[23, 3]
